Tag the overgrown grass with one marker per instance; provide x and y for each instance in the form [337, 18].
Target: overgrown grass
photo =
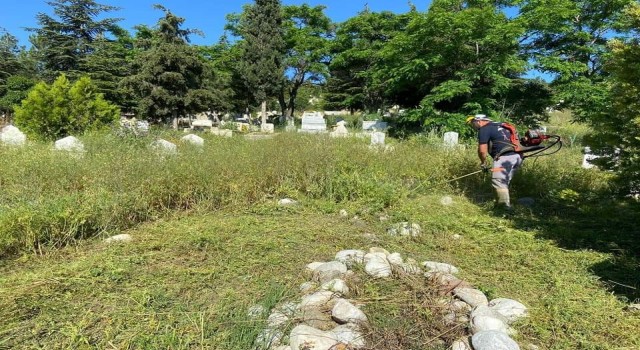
[219, 244]
[52, 198]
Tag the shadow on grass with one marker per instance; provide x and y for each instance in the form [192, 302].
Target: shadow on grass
[594, 221]
[608, 226]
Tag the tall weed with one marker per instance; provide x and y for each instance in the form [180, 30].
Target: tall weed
[52, 198]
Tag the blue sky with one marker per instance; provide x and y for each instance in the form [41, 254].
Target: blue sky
[206, 15]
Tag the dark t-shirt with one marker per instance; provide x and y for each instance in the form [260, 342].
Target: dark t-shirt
[496, 136]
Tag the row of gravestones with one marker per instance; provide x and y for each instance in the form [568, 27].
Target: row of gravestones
[12, 136]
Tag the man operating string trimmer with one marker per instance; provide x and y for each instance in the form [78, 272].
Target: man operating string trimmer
[500, 141]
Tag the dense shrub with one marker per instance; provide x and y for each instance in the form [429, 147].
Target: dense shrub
[61, 109]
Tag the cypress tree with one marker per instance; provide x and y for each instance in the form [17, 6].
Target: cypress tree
[261, 65]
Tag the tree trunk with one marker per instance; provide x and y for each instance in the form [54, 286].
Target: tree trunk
[263, 115]
[174, 120]
[285, 111]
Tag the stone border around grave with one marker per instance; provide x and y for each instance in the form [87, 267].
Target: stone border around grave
[325, 319]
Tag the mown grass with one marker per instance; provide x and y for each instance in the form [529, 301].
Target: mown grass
[218, 243]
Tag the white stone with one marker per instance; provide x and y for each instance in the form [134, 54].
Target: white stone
[344, 213]
[433, 266]
[331, 270]
[193, 139]
[377, 265]
[276, 319]
[405, 229]
[484, 319]
[461, 344]
[350, 257]
[491, 340]
[307, 287]
[201, 123]
[124, 238]
[164, 147]
[12, 136]
[411, 268]
[317, 299]
[512, 310]
[345, 312]
[471, 296]
[395, 259]
[289, 308]
[442, 278]
[373, 250]
[69, 144]
[369, 256]
[309, 338]
[349, 334]
[446, 201]
[337, 286]
[314, 265]
[287, 202]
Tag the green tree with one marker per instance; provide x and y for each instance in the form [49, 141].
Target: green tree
[568, 40]
[9, 63]
[109, 63]
[62, 109]
[459, 58]
[261, 64]
[170, 77]
[307, 32]
[225, 83]
[616, 120]
[356, 52]
[14, 90]
[64, 41]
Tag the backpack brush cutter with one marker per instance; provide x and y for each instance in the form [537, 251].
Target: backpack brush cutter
[534, 143]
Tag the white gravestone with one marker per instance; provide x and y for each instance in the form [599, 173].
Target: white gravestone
[377, 139]
[12, 136]
[588, 157]
[269, 128]
[193, 139]
[341, 130]
[451, 139]
[69, 144]
[313, 124]
[201, 123]
[222, 132]
[164, 147]
[373, 125]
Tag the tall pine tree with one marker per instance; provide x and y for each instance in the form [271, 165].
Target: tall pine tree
[263, 46]
[63, 43]
[171, 76]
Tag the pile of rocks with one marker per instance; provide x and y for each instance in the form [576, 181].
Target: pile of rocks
[325, 319]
